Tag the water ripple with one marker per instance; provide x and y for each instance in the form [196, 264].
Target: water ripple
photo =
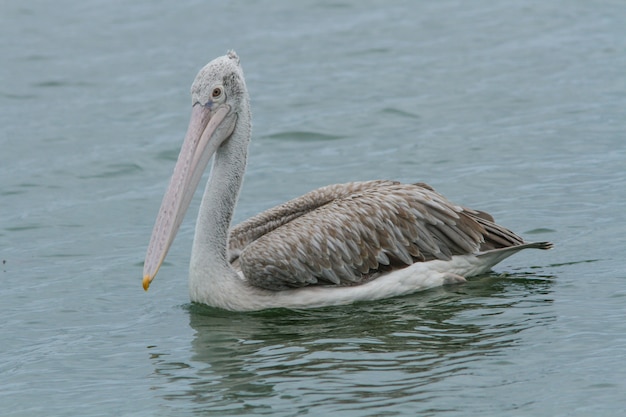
[116, 170]
[361, 357]
[303, 136]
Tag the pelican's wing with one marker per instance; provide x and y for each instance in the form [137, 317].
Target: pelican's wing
[352, 237]
[263, 223]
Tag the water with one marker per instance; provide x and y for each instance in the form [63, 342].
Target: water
[515, 108]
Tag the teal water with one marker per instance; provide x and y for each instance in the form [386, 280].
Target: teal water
[514, 108]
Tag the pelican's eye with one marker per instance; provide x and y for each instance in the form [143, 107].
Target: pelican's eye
[216, 93]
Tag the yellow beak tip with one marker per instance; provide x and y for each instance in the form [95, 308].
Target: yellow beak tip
[146, 282]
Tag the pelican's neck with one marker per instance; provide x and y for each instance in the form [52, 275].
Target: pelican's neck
[209, 266]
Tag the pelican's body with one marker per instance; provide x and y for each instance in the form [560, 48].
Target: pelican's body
[335, 245]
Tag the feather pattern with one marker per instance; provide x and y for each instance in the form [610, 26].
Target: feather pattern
[347, 234]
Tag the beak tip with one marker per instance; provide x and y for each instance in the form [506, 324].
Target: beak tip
[146, 282]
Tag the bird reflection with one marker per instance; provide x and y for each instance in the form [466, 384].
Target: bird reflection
[359, 356]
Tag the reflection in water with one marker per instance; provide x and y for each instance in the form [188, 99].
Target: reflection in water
[394, 356]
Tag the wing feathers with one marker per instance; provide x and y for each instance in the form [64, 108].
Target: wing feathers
[345, 234]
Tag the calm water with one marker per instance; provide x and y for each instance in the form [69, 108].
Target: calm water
[516, 108]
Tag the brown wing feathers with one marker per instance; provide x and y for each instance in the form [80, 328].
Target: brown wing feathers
[345, 234]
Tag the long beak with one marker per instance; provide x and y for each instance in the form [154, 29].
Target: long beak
[204, 135]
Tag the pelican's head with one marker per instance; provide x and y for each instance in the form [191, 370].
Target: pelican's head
[218, 95]
[220, 82]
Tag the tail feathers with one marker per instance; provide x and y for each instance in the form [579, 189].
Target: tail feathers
[538, 245]
[510, 250]
[494, 256]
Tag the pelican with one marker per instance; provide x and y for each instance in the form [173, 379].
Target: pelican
[336, 245]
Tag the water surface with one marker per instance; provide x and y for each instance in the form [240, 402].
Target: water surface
[516, 109]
